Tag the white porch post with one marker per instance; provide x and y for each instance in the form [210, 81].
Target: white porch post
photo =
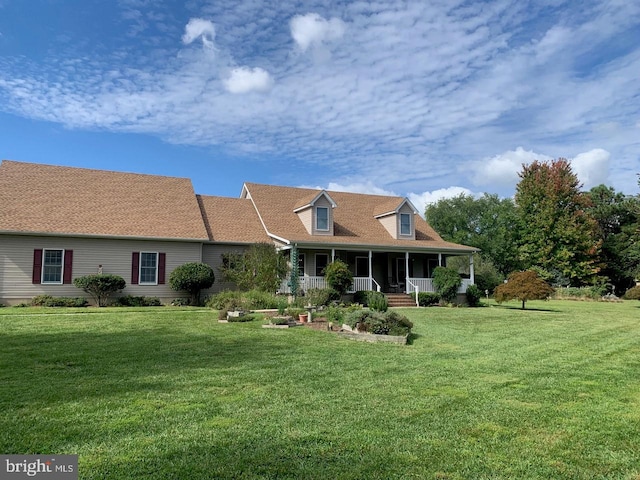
[370, 270]
[406, 272]
[439, 259]
[471, 272]
[333, 255]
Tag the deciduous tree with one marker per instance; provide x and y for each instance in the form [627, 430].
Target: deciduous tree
[523, 286]
[557, 235]
[261, 267]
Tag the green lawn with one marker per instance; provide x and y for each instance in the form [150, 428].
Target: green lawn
[497, 393]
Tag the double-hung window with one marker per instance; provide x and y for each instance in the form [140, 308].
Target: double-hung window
[52, 265]
[405, 224]
[148, 268]
[322, 219]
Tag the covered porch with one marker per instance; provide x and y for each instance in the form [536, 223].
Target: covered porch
[383, 271]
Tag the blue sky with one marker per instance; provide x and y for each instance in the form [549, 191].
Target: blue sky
[423, 98]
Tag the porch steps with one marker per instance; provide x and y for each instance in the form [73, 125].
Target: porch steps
[400, 300]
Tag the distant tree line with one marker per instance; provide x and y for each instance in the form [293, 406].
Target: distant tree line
[569, 236]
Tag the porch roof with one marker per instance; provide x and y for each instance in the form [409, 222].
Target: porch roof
[355, 224]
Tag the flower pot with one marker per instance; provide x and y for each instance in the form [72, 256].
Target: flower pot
[303, 317]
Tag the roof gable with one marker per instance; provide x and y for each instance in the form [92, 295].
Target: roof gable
[311, 199]
[354, 219]
[48, 199]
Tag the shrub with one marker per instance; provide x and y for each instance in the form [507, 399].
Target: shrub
[426, 299]
[180, 302]
[131, 301]
[192, 277]
[100, 286]
[377, 302]
[389, 323]
[632, 293]
[335, 315]
[261, 267]
[523, 286]
[473, 295]
[244, 318]
[49, 301]
[259, 300]
[338, 276]
[217, 301]
[447, 281]
[361, 297]
[321, 296]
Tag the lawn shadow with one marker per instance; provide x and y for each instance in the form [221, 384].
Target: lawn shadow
[526, 309]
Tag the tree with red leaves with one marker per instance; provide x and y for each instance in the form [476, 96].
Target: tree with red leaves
[523, 286]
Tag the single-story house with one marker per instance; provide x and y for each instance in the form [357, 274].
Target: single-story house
[59, 223]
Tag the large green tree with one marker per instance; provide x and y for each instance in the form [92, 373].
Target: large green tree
[557, 236]
[486, 222]
[618, 223]
[261, 267]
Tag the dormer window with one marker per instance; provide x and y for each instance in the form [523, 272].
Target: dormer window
[405, 224]
[322, 219]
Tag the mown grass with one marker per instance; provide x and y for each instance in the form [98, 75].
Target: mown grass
[494, 392]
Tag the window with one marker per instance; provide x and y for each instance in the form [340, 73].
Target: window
[52, 262]
[362, 266]
[322, 218]
[322, 260]
[301, 264]
[148, 268]
[405, 224]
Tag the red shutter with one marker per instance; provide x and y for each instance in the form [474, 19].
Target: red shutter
[135, 268]
[68, 266]
[162, 261]
[37, 266]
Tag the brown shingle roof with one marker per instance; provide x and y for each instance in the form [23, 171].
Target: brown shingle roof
[354, 219]
[38, 198]
[232, 220]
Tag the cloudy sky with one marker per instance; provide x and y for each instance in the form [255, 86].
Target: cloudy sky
[421, 98]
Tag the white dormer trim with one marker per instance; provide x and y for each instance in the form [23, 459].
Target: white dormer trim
[321, 193]
[395, 211]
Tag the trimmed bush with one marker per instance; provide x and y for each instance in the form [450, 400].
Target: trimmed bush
[335, 315]
[192, 277]
[377, 302]
[132, 301]
[338, 276]
[49, 301]
[632, 293]
[426, 299]
[100, 286]
[447, 281]
[473, 295]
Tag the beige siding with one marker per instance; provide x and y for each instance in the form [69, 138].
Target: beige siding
[306, 217]
[212, 255]
[16, 264]
[390, 223]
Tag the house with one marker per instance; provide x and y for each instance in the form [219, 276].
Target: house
[59, 223]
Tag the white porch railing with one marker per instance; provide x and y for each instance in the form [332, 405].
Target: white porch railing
[426, 284]
[364, 283]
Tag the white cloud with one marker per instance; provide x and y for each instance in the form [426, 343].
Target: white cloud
[592, 167]
[421, 200]
[501, 170]
[359, 187]
[245, 79]
[199, 28]
[313, 30]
